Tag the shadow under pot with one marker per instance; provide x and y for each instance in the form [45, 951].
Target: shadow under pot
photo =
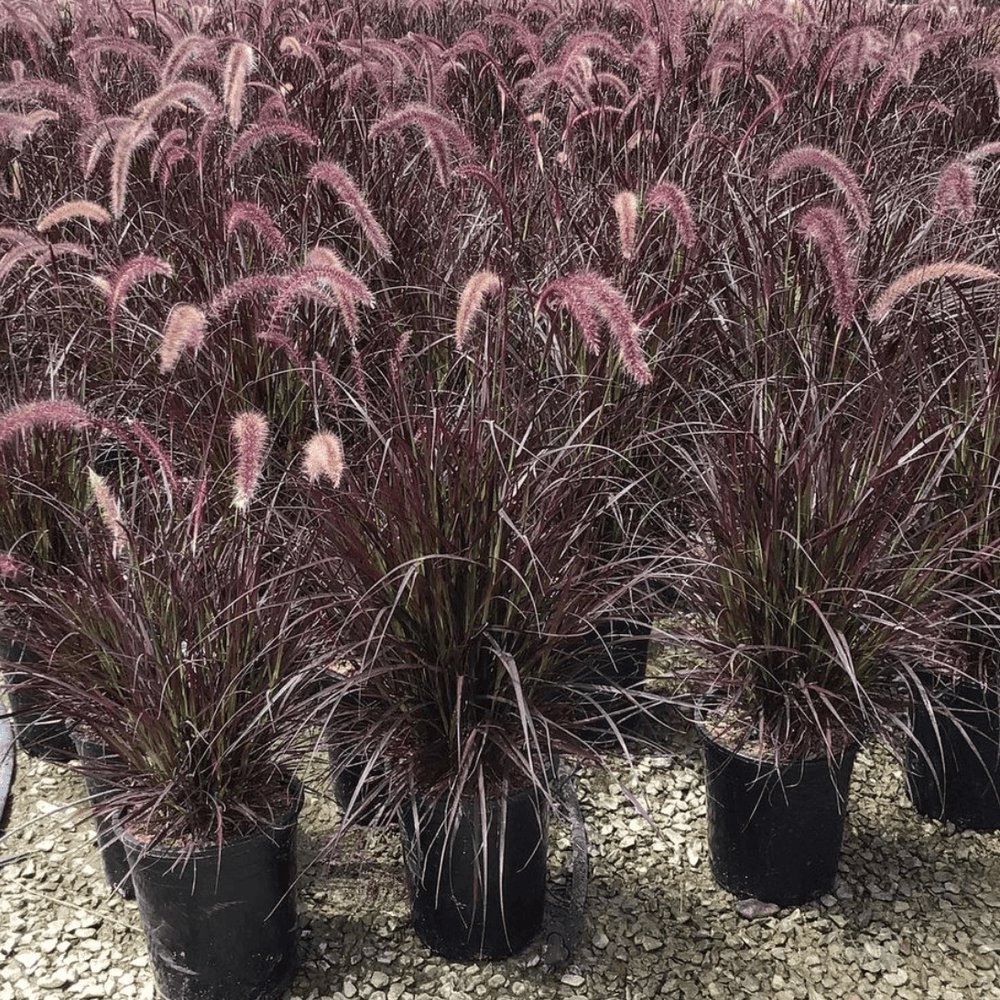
[477, 886]
[38, 729]
[221, 923]
[953, 757]
[112, 850]
[614, 655]
[775, 832]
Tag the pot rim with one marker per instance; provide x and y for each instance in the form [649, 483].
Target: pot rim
[851, 748]
[161, 850]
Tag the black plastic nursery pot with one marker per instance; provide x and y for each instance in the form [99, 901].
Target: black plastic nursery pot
[222, 924]
[477, 890]
[953, 758]
[39, 730]
[112, 850]
[350, 783]
[614, 654]
[775, 833]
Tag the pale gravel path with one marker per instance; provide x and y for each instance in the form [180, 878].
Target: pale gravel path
[916, 914]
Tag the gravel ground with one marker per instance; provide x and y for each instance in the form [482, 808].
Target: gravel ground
[915, 916]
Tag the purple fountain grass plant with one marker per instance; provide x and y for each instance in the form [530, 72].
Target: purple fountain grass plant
[180, 640]
[824, 573]
[458, 553]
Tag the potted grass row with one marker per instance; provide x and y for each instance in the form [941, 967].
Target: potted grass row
[378, 400]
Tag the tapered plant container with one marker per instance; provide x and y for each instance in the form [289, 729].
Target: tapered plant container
[221, 923]
[953, 758]
[613, 657]
[775, 831]
[89, 747]
[477, 884]
[40, 731]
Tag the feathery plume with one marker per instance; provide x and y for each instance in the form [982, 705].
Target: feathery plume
[347, 288]
[572, 292]
[611, 305]
[931, 107]
[17, 253]
[169, 150]
[15, 128]
[648, 60]
[927, 272]
[23, 246]
[627, 210]
[396, 358]
[61, 249]
[258, 219]
[187, 49]
[481, 284]
[198, 509]
[585, 42]
[674, 200]
[676, 22]
[73, 210]
[827, 228]
[127, 274]
[184, 330]
[589, 298]
[981, 152]
[20, 238]
[243, 288]
[239, 65]
[72, 99]
[93, 139]
[11, 568]
[322, 277]
[108, 506]
[522, 35]
[851, 54]
[175, 95]
[334, 176]
[88, 51]
[250, 432]
[955, 192]
[323, 455]
[42, 413]
[128, 141]
[803, 157]
[275, 129]
[443, 136]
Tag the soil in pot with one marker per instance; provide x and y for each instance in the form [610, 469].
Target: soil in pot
[112, 850]
[953, 759]
[775, 832]
[477, 889]
[38, 729]
[221, 924]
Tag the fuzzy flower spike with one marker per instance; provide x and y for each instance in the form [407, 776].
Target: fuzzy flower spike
[249, 434]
